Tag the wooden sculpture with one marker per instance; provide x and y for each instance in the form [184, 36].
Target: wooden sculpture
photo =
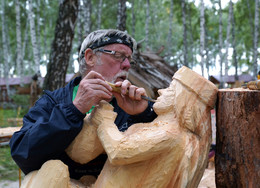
[171, 151]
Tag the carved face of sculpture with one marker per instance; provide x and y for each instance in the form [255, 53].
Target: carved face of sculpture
[165, 102]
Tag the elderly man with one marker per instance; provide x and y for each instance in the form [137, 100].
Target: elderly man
[57, 117]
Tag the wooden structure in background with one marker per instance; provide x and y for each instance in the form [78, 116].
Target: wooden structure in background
[238, 138]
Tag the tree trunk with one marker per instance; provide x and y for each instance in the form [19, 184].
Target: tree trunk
[256, 69]
[18, 38]
[147, 23]
[121, 15]
[6, 54]
[234, 42]
[185, 46]
[61, 46]
[99, 13]
[220, 44]
[133, 18]
[87, 10]
[34, 40]
[202, 37]
[227, 39]
[238, 143]
[191, 44]
[170, 29]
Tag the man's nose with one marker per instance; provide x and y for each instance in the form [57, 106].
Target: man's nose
[125, 65]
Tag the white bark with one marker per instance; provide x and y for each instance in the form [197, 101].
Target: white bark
[87, 16]
[170, 29]
[147, 22]
[220, 44]
[202, 36]
[36, 53]
[99, 13]
[5, 48]
[256, 30]
[18, 39]
[227, 39]
[234, 57]
[185, 46]
[133, 18]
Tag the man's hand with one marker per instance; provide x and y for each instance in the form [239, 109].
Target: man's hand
[92, 89]
[131, 101]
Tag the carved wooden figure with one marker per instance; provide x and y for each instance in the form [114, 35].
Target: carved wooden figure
[171, 151]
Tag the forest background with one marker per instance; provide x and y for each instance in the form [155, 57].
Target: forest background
[205, 35]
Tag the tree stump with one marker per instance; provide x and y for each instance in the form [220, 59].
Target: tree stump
[238, 138]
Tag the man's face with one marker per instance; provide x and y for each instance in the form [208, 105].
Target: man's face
[109, 66]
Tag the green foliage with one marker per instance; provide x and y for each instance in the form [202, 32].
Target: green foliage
[22, 101]
[47, 11]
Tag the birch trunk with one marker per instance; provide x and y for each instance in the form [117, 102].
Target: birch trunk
[256, 30]
[61, 46]
[133, 18]
[18, 38]
[202, 36]
[5, 49]
[220, 44]
[170, 29]
[36, 54]
[147, 23]
[193, 54]
[121, 15]
[227, 39]
[99, 13]
[185, 47]
[87, 16]
[80, 23]
[234, 42]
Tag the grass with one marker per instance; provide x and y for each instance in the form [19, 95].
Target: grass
[8, 168]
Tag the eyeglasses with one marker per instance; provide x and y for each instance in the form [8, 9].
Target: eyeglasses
[118, 56]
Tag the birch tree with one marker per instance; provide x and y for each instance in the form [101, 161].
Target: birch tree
[34, 41]
[170, 29]
[121, 15]
[202, 37]
[6, 55]
[220, 42]
[256, 30]
[61, 46]
[184, 25]
[227, 37]
[147, 23]
[18, 39]
[87, 10]
[234, 56]
[133, 18]
[99, 13]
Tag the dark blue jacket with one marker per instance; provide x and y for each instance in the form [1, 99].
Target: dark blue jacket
[52, 124]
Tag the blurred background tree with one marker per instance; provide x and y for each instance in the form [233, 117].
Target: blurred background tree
[197, 33]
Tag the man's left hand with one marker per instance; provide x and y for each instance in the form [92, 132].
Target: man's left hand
[131, 101]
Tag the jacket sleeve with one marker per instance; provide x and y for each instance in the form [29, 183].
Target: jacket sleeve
[47, 130]
[146, 116]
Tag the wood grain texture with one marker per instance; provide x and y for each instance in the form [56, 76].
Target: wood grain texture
[238, 138]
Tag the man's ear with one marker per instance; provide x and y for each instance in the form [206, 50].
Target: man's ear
[90, 57]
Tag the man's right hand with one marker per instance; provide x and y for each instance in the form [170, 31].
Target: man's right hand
[92, 89]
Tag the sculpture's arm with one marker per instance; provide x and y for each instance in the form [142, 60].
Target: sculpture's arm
[86, 146]
[142, 144]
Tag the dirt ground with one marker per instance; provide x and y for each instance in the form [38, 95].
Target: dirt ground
[207, 181]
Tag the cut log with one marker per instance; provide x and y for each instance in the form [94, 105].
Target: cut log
[238, 138]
